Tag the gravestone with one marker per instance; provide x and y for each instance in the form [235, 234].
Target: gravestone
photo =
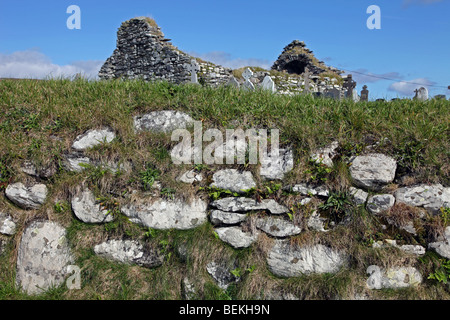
[349, 85]
[233, 83]
[248, 85]
[268, 84]
[333, 93]
[193, 68]
[364, 94]
[306, 75]
[355, 96]
[421, 94]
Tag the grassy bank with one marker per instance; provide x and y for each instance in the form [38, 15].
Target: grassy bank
[40, 119]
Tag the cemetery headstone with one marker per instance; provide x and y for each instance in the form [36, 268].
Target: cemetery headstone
[306, 75]
[364, 94]
[233, 82]
[193, 68]
[333, 93]
[349, 85]
[268, 84]
[421, 94]
[247, 74]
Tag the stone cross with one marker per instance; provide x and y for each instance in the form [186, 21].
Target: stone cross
[349, 85]
[247, 74]
[364, 94]
[193, 68]
[306, 75]
[268, 84]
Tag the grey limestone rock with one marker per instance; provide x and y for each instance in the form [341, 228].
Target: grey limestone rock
[220, 272]
[27, 197]
[242, 204]
[190, 177]
[273, 168]
[75, 161]
[92, 138]
[307, 189]
[442, 246]
[88, 209]
[233, 180]
[167, 213]
[128, 252]
[7, 225]
[286, 260]
[219, 217]
[236, 237]
[393, 278]
[326, 155]
[380, 203]
[43, 257]
[373, 171]
[162, 121]
[430, 197]
[358, 196]
[277, 227]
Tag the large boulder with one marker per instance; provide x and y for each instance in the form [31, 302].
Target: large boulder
[373, 171]
[242, 204]
[162, 121]
[128, 252]
[27, 197]
[43, 257]
[430, 197]
[233, 180]
[167, 213]
[88, 209]
[92, 138]
[286, 260]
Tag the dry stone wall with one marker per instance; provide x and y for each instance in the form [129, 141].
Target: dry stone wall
[238, 220]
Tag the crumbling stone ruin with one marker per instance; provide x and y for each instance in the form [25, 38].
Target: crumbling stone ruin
[296, 57]
[143, 52]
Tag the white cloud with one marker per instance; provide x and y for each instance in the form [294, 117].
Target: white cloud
[407, 87]
[226, 60]
[36, 65]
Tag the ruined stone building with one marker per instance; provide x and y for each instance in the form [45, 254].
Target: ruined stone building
[143, 52]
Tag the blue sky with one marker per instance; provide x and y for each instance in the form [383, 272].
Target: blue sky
[411, 47]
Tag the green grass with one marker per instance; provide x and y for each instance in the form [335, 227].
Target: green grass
[40, 120]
